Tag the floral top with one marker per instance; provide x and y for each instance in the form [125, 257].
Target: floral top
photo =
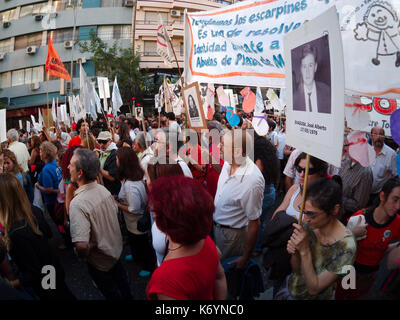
[330, 258]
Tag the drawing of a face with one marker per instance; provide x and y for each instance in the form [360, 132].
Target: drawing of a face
[381, 18]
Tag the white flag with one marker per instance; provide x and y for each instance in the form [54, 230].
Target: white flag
[84, 89]
[28, 127]
[20, 124]
[164, 43]
[96, 98]
[116, 98]
[53, 111]
[40, 118]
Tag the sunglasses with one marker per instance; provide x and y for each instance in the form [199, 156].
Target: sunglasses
[310, 170]
[311, 214]
[102, 141]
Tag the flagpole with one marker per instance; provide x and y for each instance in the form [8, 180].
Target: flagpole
[176, 59]
[47, 97]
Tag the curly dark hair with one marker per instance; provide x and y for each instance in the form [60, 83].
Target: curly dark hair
[265, 151]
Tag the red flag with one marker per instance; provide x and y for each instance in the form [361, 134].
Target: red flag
[54, 65]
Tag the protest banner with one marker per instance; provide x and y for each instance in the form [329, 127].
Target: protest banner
[241, 44]
[193, 107]
[315, 88]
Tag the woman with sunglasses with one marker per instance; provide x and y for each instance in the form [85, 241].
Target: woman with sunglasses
[291, 202]
[321, 249]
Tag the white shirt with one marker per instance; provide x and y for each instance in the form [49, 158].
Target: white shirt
[290, 170]
[314, 101]
[159, 241]
[239, 197]
[132, 134]
[133, 194]
[145, 158]
[383, 168]
[174, 126]
[273, 137]
[184, 167]
[21, 153]
[282, 142]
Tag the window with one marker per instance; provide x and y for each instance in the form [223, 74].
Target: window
[27, 76]
[59, 5]
[61, 35]
[33, 9]
[152, 17]
[112, 3]
[114, 32]
[5, 45]
[150, 48]
[5, 80]
[8, 15]
[105, 32]
[33, 39]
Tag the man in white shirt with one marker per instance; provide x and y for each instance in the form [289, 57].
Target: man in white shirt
[165, 147]
[172, 123]
[385, 164]
[238, 200]
[292, 177]
[19, 149]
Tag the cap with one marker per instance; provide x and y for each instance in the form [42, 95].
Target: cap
[104, 135]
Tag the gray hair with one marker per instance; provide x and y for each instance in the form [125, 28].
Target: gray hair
[88, 162]
[12, 134]
[141, 138]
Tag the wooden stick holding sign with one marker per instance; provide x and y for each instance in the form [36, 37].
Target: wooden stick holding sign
[304, 188]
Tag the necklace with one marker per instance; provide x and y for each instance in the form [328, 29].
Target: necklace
[175, 248]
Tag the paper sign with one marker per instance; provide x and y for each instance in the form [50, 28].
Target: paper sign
[249, 100]
[104, 87]
[20, 124]
[28, 126]
[360, 149]
[273, 98]
[3, 127]
[139, 113]
[315, 99]
[47, 118]
[223, 98]
[232, 117]
[260, 123]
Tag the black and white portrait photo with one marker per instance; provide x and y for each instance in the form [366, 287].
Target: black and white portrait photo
[193, 105]
[139, 113]
[312, 76]
[193, 110]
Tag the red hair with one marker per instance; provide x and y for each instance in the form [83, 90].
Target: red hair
[184, 209]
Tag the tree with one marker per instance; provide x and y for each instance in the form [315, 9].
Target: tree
[117, 62]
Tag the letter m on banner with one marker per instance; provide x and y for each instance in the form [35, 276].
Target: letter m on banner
[54, 66]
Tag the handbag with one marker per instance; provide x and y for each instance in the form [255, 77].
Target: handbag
[144, 223]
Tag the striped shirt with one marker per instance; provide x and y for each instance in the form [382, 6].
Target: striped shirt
[357, 184]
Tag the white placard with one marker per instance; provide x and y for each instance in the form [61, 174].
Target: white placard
[20, 124]
[28, 127]
[315, 122]
[3, 126]
[104, 86]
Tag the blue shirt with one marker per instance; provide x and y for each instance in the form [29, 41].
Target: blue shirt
[50, 177]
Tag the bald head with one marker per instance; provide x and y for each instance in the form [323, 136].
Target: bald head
[377, 137]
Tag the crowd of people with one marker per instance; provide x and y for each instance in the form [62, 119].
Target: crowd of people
[195, 213]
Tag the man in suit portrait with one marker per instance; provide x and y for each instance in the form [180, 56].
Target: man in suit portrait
[311, 95]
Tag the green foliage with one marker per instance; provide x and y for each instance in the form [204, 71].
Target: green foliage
[117, 62]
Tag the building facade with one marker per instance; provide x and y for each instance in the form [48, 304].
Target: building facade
[25, 26]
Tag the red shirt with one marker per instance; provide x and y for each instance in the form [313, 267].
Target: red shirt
[212, 176]
[187, 278]
[371, 249]
[75, 141]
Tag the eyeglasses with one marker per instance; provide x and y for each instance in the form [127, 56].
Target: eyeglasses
[310, 170]
[311, 214]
